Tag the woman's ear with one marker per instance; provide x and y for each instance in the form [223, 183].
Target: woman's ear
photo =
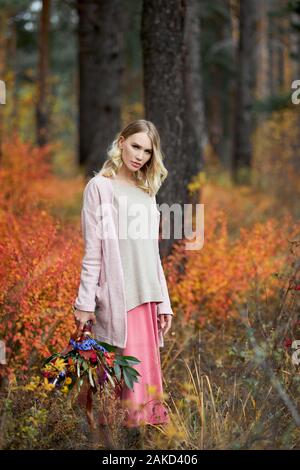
[120, 142]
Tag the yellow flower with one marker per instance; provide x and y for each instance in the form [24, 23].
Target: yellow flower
[59, 364]
[48, 368]
[65, 389]
[31, 386]
[47, 385]
[68, 381]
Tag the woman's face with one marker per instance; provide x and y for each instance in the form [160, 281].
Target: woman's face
[137, 148]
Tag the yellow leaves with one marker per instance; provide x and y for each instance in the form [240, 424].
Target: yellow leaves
[59, 364]
[198, 182]
[173, 433]
[188, 391]
[48, 386]
[187, 387]
[33, 384]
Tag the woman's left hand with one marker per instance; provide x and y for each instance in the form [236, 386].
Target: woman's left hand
[165, 322]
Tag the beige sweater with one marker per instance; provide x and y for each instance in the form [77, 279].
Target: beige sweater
[137, 224]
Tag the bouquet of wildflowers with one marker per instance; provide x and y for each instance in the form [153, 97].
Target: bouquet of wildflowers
[85, 358]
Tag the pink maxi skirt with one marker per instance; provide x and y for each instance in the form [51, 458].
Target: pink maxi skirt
[144, 404]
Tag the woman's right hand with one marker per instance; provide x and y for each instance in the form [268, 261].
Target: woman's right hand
[81, 317]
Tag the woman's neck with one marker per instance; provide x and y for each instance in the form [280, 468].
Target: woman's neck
[124, 175]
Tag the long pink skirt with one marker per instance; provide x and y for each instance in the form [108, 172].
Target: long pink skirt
[144, 404]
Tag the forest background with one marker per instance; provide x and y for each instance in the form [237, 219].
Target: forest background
[219, 80]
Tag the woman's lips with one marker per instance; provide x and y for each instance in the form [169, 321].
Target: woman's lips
[136, 165]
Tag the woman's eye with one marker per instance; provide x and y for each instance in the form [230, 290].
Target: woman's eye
[136, 147]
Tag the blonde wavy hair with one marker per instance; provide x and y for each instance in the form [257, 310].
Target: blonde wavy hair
[150, 177]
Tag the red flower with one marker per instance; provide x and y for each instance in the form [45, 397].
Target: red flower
[89, 356]
[85, 354]
[297, 287]
[93, 357]
[287, 343]
[110, 358]
[47, 374]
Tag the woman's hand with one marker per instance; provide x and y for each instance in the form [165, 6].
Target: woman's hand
[81, 317]
[165, 322]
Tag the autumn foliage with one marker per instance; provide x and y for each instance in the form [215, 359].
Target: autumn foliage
[40, 262]
[215, 282]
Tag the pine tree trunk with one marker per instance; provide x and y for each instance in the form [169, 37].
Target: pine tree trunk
[43, 69]
[246, 74]
[172, 94]
[101, 67]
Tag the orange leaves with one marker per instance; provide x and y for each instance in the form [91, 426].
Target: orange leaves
[38, 285]
[21, 164]
[214, 281]
[39, 261]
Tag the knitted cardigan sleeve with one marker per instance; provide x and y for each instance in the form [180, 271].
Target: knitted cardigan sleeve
[91, 262]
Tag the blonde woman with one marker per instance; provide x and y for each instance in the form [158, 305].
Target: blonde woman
[122, 288]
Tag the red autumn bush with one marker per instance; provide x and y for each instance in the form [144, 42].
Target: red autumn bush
[211, 283]
[21, 165]
[39, 261]
[39, 276]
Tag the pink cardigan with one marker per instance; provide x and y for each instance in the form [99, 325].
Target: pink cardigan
[101, 288]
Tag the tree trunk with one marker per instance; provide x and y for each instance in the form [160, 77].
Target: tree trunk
[193, 89]
[101, 67]
[172, 94]
[43, 68]
[295, 44]
[246, 73]
[219, 92]
[263, 74]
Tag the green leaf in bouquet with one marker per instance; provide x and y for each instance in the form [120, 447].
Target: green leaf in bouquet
[122, 361]
[128, 379]
[132, 371]
[133, 377]
[50, 359]
[117, 370]
[130, 359]
[107, 346]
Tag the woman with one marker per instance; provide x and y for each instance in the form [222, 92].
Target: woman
[122, 287]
